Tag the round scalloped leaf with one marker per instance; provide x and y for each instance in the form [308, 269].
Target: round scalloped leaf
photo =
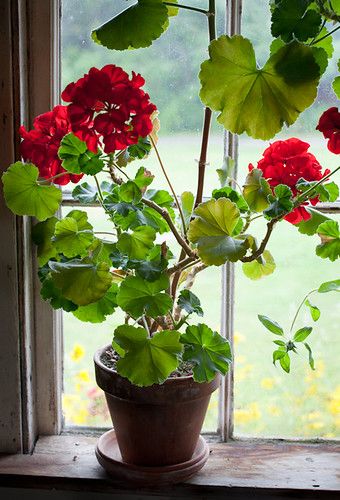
[53, 295]
[97, 311]
[138, 296]
[330, 240]
[80, 281]
[73, 234]
[147, 361]
[208, 350]
[136, 245]
[253, 100]
[292, 19]
[137, 26]
[256, 191]
[257, 269]
[42, 234]
[25, 196]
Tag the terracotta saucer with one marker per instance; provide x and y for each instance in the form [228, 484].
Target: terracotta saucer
[109, 457]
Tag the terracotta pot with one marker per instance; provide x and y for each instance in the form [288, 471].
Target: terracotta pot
[157, 425]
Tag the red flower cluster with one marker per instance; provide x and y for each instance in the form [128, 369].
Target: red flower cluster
[329, 125]
[107, 105]
[285, 162]
[40, 145]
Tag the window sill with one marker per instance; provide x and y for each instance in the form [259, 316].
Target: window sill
[263, 469]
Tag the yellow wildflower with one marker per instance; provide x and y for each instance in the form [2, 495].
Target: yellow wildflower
[334, 403]
[238, 337]
[267, 383]
[316, 425]
[80, 417]
[78, 352]
[84, 376]
[245, 415]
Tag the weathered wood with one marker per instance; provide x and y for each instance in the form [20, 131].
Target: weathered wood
[234, 469]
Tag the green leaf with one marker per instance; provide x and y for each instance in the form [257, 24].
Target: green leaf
[73, 234]
[208, 350]
[226, 172]
[278, 354]
[187, 205]
[257, 269]
[137, 26]
[23, 194]
[256, 191]
[100, 251]
[129, 192]
[147, 361]
[152, 268]
[161, 197]
[85, 193]
[280, 343]
[234, 196]
[336, 84]
[53, 295]
[137, 296]
[314, 310]
[172, 11]
[310, 356]
[258, 101]
[212, 229]
[271, 325]
[97, 311]
[325, 192]
[302, 334]
[141, 149]
[311, 225]
[330, 240]
[281, 203]
[136, 245]
[81, 281]
[189, 302]
[292, 19]
[329, 286]
[42, 236]
[326, 44]
[69, 152]
[143, 178]
[285, 363]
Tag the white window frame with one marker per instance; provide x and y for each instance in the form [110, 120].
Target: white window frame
[31, 353]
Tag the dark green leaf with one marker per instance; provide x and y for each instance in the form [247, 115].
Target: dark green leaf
[310, 356]
[302, 334]
[281, 203]
[85, 193]
[53, 295]
[42, 236]
[141, 149]
[234, 196]
[292, 19]
[208, 350]
[97, 311]
[189, 302]
[271, 325]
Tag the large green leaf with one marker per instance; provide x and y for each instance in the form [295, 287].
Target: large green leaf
[53, 295]
[25, 196]
[97, 311]
[42, 236]
[189, 302]
[137, 26]
[256, 191]
[73, 234]
[259, 268]
[81, 281]
[147, 361]
[212, 228]
[258, 101]
[85, 193]
[311, 225]
[330, 240]
[136, 245]
[208, 350]
[137, 296]
[292, 19]
[76, 158]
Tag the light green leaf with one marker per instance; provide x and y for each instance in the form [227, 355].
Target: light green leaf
[147, 361]
[311, 225]
[256, 191]
[278, 354]
[42, 236]
[310, 356]
[208, 350]
[129, 192]
[100, 251]
[285, 363]
[226, 172]
[271, 325]
[234, 196]
[189, 302]
[69, 152]
[187, 205]
[136, 245]
[257, 269]
[314, 310]
[53, 295]
[330, 240]
[172, 11]
[329, 286]
[336, 86]
[25, 196]
[81, 281]
[138, 296]
[302, 334]
[137, 26]
[143, 178]
[258, 101]
[73, 234]
[97, 311]
[85, 193]
[212, 228]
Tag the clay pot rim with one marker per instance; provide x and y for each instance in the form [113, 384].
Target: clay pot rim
[98, 361]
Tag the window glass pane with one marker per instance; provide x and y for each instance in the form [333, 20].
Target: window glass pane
[171, 73]
[269, 402]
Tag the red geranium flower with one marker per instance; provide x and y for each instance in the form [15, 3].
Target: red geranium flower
[107, 105]
[329, 125]
[40, 145]
[285, 162]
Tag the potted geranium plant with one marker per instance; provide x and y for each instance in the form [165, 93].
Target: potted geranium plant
[162, 367]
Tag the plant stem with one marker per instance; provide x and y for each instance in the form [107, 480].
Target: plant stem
[146, 326]
[104, 232]
[207, 116]
[301, 198]
[165, 214]
[325, 36]
[169, 184]
[121, 171]
[188, 7]
[181, 264]
[299, 308]
[100, 194]
[43, 181]
[262, 247]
